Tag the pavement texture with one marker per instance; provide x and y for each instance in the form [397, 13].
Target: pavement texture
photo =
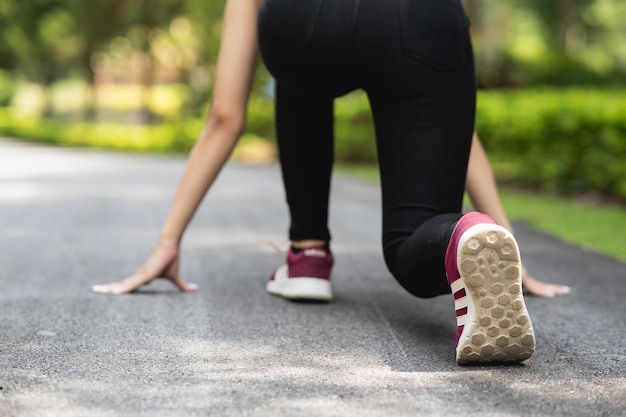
[73, 218]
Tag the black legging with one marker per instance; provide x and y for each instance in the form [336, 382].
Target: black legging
[414, 60]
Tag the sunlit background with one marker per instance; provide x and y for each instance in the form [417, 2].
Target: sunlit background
[137, 75]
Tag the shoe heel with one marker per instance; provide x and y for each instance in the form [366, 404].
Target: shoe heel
[497, 327]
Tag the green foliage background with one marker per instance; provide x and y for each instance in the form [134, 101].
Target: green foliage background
[552, 74]
[569, 141]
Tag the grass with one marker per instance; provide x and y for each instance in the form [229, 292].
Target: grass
[594, 226]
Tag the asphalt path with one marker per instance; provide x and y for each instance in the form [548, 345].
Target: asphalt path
[73, 218]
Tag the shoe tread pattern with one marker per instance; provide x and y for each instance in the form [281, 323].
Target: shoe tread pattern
[501, 330]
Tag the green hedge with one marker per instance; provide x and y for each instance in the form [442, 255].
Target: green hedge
[570, 141]
[166, 137]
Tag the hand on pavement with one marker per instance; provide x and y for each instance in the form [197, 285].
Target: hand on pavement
[539, 288]
[163, 263]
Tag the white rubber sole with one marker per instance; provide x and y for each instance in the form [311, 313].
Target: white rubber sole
[497, 327]
[301, 288]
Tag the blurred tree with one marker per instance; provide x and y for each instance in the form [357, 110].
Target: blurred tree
[38, 41]
[605, 48]
[142, 18]
[577, 34]
[559, 42]
[206, 19]
[97, 21]
[562, 21]
[520, 42]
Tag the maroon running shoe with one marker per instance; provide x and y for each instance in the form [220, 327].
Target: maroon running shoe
[305, 276]
[484, 272]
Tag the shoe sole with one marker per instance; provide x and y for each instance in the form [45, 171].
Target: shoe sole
[301, 288]
[497, 327]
